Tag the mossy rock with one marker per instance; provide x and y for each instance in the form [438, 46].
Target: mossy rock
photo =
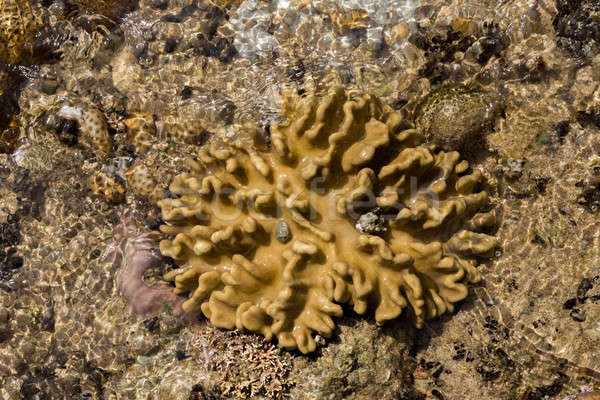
[368, 362]
[458, 118]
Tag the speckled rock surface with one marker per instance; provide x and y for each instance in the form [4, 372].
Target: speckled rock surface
[193, 70]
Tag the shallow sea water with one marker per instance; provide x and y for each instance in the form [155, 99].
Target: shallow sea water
[196, 69]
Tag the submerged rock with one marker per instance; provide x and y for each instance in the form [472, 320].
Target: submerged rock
[283, 233]
[458, 118]
[369, 362]
[371, 222]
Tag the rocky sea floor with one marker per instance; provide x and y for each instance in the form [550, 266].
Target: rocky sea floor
[513, 85]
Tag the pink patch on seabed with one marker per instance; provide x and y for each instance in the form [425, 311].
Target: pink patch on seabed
[134, 253]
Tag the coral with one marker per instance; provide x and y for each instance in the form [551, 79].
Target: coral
[458, 118]
[109, 186]
[346, 20]
[141, 180]
[10, 136]
[141, 131]
[19, 22]
[187, 131]
[332, 161]
[92, 127]
[10, 82]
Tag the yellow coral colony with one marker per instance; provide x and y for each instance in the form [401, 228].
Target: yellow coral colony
[269, 242]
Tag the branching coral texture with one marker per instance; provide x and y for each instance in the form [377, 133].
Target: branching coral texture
[335, 159]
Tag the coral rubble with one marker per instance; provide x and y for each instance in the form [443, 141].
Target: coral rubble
[335, 159]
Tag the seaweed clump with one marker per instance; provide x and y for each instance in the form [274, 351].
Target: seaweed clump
[333, 160]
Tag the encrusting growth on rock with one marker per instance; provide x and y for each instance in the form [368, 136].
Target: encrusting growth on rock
[109, 186]
[92, 126]
[141, 131]
[335, 159]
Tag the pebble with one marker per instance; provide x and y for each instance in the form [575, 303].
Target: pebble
[577, 315]
[420, 373]
[283, 233]
[371, 223]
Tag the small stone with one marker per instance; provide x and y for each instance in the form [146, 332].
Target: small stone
[186, 93]
[70, 233]
[49, 85]
[151, 324]
[180, 355]
[95, 254]
[561, 128]
[513, 169]
[4, 325]
[569, 304]
[489, 302]
[283, 233]
[584, 286]
[543, 138]
[47, 322]
[171, 45]
[420, 373]
[227, 113]
[371, 223]
[577, 315]
[437, 394]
